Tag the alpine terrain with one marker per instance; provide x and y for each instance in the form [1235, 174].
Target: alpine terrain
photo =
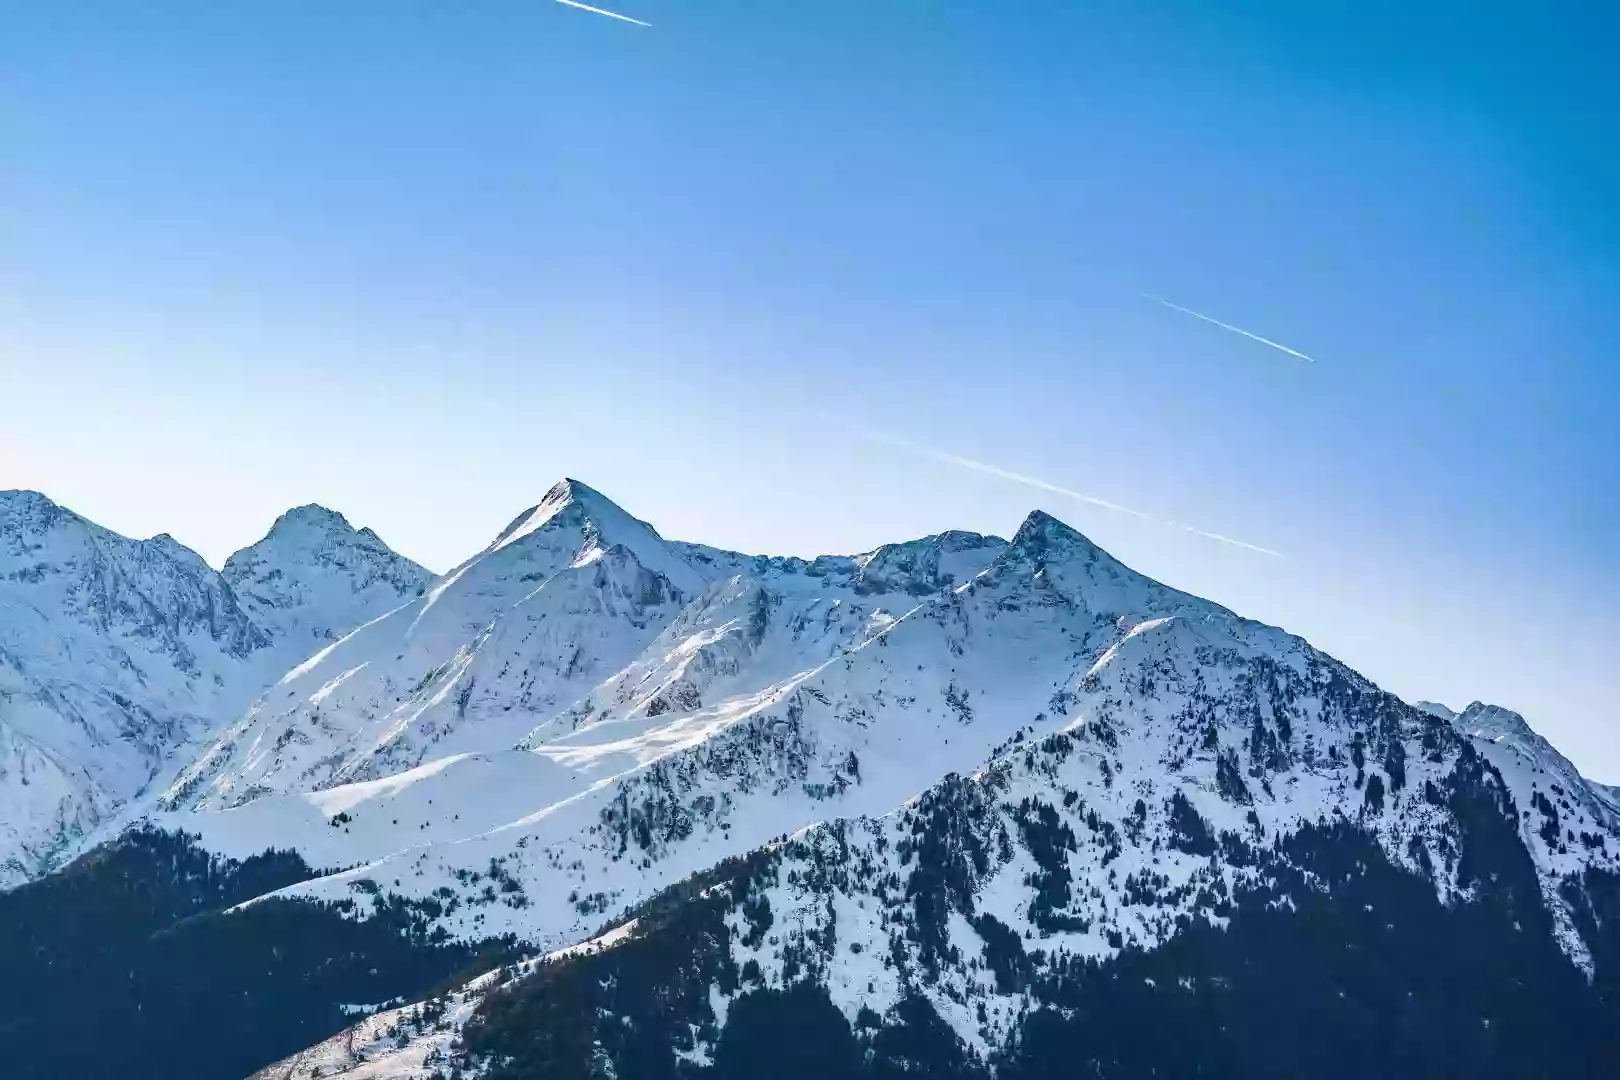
[596, 803]
[115, 654]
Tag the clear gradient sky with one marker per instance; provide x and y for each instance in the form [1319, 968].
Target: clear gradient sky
[417, 260]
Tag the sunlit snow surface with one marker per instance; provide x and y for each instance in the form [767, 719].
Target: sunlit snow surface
[118, 657]
[584, 713]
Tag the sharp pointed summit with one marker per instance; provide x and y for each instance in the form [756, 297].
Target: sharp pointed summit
[1042, 538]
[561, 495]
[1068, 564]
[577, 517]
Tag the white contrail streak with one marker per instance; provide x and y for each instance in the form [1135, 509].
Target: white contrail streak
[600, 11]
[1056, 489]
[1228, 326]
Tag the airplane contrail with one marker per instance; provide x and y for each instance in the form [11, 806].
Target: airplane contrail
[1056, 489]
[1228, 326]
[601, 11]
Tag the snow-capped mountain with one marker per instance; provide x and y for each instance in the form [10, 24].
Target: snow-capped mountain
[986, 895]
[314, 577]
[115, 654]
[1566, 820]
[568, 592]
[950, 796]
[769, 699]
[1435, 708]
[1035, 745]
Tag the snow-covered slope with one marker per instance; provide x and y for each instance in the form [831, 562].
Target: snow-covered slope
[1608, 793]
[112, 653]
[771, 699]
[920, 753]
[1531, 765]
[117, 654]
[1196, 743]
[924, 752]
[314, 577]
[564, 595]
[1163, 800]
[784, 693]
[1436, 709]
[1566, 821]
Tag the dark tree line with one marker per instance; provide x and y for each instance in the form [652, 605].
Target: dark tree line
[126, 964]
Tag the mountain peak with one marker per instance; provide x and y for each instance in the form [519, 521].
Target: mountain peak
[1507, 729]
[314, 575]
[24, 497]
[1492, 721]
[568, 489]
[1067, 561]
[308, 528]
[35, 513]
[175, 551]
[310, 516]
[307, 533]
[601, 524]
[30, 509]
[584, 501]
[1041, 533]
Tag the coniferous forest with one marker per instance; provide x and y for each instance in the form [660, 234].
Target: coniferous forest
[129, 964]
[1371, 976]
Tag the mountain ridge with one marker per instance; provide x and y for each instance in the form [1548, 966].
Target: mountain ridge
[115, 656]
[1259, 738]
[940, 797]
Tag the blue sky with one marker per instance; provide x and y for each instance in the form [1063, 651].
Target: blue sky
[418, 260]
